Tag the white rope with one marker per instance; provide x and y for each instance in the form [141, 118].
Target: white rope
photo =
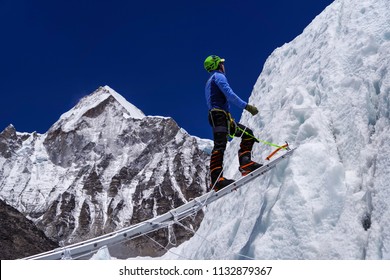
[165, 248]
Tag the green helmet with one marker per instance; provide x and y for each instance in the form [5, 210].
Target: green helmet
[212, 62]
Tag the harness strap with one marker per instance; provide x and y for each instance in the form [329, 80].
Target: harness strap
[229, 119]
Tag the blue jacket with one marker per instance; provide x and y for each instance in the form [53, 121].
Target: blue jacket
[219, 94]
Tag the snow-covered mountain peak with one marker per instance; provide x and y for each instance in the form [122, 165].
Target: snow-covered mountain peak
[133, 111]
[94, 104]
[9, 131]
[102, 166]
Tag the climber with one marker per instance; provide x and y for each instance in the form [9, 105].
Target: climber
[219, 95]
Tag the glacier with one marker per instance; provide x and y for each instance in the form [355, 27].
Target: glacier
[327, 93]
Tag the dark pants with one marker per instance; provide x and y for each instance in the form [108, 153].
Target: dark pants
[223, 126]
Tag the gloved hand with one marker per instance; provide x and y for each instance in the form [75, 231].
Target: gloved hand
[251, 109]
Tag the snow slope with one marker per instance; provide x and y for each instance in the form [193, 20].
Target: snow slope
[327, 92]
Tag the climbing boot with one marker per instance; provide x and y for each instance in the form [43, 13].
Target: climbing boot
[246, 164]
[244, 157]
[218, 182]
[221, 183]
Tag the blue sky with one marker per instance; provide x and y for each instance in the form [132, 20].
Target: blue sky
[55, 52]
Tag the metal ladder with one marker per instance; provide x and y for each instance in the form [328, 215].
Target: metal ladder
[192, 207]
